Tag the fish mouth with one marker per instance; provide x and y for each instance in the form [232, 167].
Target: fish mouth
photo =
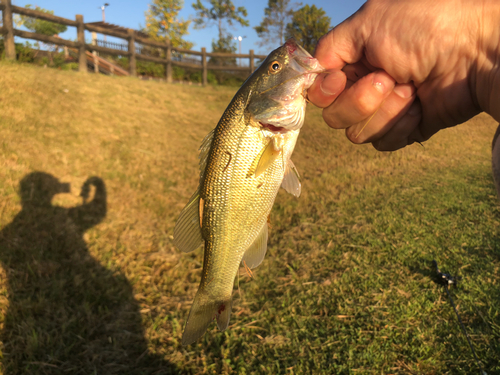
[306, 63]
[274, 129]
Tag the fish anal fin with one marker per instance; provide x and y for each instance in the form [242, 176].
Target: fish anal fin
[291, 180]
[187, 231]
[265, 158]
[254, 255]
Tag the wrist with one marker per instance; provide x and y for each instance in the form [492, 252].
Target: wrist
[487, 66]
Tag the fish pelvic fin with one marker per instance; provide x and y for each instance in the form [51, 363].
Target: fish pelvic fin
[291, 180]
[202, 313]
[187, 231]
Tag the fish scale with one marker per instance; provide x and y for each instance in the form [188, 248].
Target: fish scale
[243, 163]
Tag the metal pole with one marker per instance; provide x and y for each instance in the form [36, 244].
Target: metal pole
[103, 7]
[240, 38]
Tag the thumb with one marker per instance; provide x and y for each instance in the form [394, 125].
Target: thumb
[344, 44]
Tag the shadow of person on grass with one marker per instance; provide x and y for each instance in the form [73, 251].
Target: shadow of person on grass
[66, 313]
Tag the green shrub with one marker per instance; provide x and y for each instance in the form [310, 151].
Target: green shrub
[70, 66]
[25, 52]
[150, 69]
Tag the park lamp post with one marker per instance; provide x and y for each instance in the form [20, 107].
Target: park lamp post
[103, 7]
[239, 39]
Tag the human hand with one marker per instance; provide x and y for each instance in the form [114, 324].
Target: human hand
[410, 68]
[98, 184]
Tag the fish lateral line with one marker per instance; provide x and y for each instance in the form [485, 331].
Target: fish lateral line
[229, 161]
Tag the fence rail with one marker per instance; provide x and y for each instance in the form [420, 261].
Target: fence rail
[173, 56]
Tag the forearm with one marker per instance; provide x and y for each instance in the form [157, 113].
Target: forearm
[486, 80]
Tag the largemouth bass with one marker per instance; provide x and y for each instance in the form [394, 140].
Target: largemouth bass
[243, 163]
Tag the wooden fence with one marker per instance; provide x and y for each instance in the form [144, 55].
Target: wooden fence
[131, 36]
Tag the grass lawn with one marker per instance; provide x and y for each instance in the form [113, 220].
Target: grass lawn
[96, 285]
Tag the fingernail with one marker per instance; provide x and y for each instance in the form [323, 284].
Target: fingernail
[330, 83]
[404, 90]
[382, 82]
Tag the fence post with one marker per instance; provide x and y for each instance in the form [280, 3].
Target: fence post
[94, 53]
[252, 66]
[131, 53]
[80, 33]
[168, 65]
[10, 47]
[204, 65]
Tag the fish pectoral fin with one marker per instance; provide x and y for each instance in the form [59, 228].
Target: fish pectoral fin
[187, 231]
[254, 255]
[265, 158]
[202, 313]
[291, 180]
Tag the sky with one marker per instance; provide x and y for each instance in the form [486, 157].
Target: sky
[130, 14]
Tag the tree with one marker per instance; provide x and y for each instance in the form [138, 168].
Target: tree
[273, 26]
[308, 25]
[221, 13]
[162, 23]
[41, 26]
[225, 45]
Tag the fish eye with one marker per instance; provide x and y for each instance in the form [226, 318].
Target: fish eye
[275, 67]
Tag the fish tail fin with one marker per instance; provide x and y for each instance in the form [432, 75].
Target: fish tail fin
[223, 314]
[202, 313]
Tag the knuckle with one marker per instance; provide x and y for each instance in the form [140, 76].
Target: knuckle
[367, 104]
[331, 119]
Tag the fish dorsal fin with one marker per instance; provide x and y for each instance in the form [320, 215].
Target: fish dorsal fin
[187, 231]
[265, 158]
[291, 180]
[257, 250]
[205, 150]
